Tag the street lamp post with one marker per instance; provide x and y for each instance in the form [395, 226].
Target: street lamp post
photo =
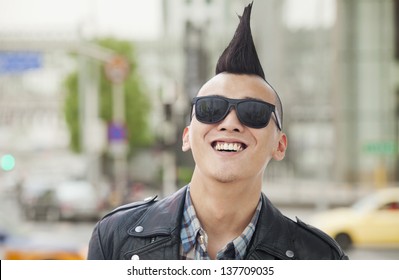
[117, 70]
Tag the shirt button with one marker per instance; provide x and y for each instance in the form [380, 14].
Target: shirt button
[289, 254]
[135, 258]
[139, 229]
[202, 239]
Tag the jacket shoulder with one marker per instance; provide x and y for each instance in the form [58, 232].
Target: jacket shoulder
[326, 246]
[131, 206]
[112, 227]
[115, 235]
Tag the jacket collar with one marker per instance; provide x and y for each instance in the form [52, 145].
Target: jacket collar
[162, 218]
[272, 235]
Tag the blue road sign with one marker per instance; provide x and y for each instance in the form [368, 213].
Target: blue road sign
[116, 132]
[17, 62]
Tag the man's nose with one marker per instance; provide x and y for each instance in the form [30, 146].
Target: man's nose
[231, 122]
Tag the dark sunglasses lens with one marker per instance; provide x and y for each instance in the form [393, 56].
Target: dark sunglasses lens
[254, 114]
[210, 110]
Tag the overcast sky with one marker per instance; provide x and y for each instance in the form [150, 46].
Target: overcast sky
[125, 19]
[120, 18]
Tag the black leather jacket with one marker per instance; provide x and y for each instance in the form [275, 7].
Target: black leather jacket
[150, 230]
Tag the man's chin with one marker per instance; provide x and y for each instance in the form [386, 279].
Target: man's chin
[225, 178]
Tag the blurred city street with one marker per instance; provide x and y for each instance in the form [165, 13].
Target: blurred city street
[95, 95]
[76, 234]
[39, 235]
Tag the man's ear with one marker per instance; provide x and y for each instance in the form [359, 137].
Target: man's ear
[186, 140]
[279, 153]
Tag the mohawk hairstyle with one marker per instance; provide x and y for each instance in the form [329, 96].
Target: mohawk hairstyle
[240, 56]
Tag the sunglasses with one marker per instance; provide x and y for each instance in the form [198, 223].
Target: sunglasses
[252, 113]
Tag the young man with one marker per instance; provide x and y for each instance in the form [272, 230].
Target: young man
[222, 214]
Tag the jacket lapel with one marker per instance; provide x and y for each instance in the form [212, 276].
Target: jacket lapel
[273, 237]
[156, 235]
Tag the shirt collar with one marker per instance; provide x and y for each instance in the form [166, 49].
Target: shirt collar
[191, 226]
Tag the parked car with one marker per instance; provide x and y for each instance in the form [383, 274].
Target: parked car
[77, 200]
[35, 197]
[56, 199]
[371, 221]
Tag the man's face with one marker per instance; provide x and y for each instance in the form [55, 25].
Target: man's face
[254, 147]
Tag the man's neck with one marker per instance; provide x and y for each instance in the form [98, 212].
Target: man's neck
[224, 209]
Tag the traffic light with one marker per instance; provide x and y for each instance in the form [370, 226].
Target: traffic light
[7, 162]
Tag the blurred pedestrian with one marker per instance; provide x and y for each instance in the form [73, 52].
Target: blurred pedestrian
[235, 130]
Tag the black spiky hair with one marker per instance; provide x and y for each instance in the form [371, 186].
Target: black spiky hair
[240, 56]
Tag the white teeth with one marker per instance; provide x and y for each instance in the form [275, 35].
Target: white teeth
[223, 146]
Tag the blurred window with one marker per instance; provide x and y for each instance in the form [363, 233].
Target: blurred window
[366, 204]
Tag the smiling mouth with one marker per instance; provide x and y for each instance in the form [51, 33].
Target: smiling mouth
[228, 147]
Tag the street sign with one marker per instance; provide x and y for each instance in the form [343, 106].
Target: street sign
[18, 62]
[117, 69]
[117, 139]
[381, 148]
[116, 132]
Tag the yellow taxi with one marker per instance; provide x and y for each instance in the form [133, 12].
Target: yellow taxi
[43, 254]
[17, 248]
[371, 221]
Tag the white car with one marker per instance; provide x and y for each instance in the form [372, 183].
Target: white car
[78, 200]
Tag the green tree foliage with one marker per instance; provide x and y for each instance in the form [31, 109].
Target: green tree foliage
[137, 105]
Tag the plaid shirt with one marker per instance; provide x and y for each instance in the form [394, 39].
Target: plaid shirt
[194, 239]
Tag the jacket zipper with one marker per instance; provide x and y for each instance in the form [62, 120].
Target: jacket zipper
[152, 245]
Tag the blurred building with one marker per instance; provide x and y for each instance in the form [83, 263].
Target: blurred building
[32, 125]
[365, 93]
[33, 68]
[338, 81]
